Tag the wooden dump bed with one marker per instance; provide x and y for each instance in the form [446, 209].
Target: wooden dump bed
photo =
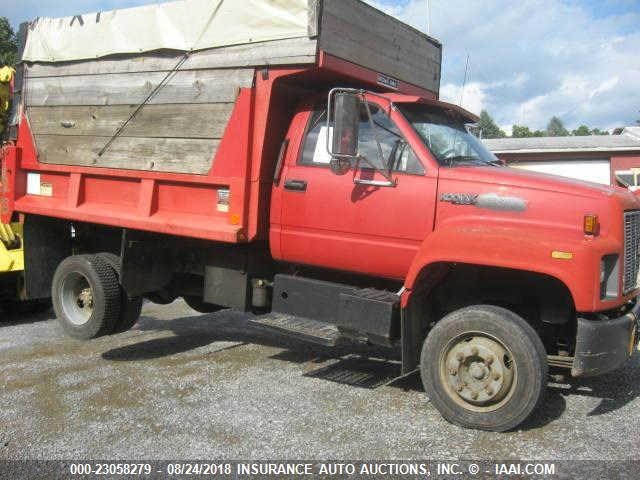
[75, 107]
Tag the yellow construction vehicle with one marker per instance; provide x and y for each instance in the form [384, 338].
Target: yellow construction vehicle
[6, 77]
[11, 253]
[12, 294]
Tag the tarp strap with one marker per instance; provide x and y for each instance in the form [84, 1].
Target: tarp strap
[153, 93]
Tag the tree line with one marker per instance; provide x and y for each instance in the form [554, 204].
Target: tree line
[8, 44]
[555, 128]
[8, 57]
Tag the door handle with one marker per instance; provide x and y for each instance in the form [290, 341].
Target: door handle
[376, 183]
[296, 185]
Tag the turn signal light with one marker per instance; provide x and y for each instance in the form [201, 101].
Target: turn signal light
[591, 225]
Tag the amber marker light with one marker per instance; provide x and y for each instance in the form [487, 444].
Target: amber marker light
[591, 225]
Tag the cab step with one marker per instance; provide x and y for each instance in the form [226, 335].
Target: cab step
[301, 328]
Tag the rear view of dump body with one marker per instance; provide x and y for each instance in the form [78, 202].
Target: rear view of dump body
[187, 143]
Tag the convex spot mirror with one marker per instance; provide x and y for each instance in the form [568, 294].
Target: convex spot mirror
[346, 123]
[340, 166]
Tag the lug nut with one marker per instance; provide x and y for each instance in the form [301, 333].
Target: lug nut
[489, 391]
[459, 356]
[496, 376]
[489, 360]
[474, 395]
[453, 372]
[459, 388]
[474, 351]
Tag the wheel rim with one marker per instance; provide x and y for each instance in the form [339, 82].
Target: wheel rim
[478, 372]
[76, 298]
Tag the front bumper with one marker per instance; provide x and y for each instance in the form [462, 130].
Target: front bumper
[605, 345]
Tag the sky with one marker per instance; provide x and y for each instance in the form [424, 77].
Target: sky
[528, 60]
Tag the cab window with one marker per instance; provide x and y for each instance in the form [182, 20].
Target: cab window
[396, 152]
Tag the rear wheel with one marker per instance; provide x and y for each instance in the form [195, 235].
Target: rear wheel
[86, 296]
[484, 367]
[131, 308]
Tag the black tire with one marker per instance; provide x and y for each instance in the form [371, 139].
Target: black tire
[91, 276]
[199, 306]
[525, 365]
[131, 308]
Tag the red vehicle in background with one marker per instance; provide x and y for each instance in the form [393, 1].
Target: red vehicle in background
[342, 201]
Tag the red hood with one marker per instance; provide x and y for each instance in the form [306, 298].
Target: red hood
[554, 203]
[515, 177]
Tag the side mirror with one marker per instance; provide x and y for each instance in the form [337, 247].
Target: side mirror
[344, 110]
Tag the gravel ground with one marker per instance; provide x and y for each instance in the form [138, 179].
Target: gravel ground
[189, 386]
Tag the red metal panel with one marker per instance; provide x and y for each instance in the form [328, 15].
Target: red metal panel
[92, 188]
[272, 111]
[181, 198]
[524, 240]
[337, 224]
[179, 204]
[7, 182]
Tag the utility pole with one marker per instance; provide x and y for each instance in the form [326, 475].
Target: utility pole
[464, 82]
[428, 17]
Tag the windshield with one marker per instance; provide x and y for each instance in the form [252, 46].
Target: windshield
[446, 136]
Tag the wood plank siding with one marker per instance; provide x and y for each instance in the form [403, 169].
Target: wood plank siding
[156, 154]
[206, 120]
[359, 33]
[73, 117]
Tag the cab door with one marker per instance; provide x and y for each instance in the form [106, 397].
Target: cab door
[327, 220]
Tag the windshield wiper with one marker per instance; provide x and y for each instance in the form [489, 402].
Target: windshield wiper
[462, 159]
[471, 160]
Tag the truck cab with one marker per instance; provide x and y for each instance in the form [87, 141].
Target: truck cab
[404, 191]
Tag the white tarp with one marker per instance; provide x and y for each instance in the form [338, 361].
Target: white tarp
[182, 25]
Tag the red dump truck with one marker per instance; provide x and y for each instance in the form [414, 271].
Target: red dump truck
[292, 158]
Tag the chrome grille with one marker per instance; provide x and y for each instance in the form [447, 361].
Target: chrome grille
[631, 250]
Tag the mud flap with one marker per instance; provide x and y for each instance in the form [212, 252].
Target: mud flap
[603, 345]
[47, 241]
[411, 340]
[147, 262]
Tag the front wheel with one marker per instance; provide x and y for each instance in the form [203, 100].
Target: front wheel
[484, 367]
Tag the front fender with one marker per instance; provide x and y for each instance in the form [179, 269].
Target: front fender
[575, 264]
